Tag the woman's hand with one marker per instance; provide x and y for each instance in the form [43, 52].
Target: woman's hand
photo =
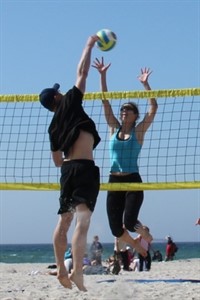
[197, 222]
[145, 73]
[99, 65]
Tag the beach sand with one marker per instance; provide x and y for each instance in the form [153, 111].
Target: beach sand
[31, 282]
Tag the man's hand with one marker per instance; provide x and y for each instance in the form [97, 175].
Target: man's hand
[92, 40]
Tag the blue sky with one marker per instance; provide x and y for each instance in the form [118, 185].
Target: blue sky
[41, 43]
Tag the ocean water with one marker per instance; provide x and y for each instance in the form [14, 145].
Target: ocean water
[43, 253]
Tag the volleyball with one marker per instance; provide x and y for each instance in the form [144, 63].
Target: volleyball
[107, 39]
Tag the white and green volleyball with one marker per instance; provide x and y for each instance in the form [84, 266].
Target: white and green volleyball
[107, 39]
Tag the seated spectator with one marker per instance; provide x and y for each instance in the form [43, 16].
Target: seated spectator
[114, 265]
[157, 256]
[92, 267]
[86, 260]
[68, 253]
[68, 260]
[68, 263]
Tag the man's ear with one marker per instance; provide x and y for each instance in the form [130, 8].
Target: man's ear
[57, 97]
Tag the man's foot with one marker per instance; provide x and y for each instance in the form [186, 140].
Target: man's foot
[65, 281]
[78, 280]
[139, 248]
[144, 232]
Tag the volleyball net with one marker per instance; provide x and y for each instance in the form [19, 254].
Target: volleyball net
[169, 159]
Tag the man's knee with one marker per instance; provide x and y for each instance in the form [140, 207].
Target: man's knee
[67, 217]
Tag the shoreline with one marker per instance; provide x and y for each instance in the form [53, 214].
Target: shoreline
[165, 280]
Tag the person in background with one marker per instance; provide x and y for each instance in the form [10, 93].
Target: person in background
[68, 253]
[86, 260]
[68, 260]
[120, 250]
[96, 250]
[73, 137]
[114, 265]
[171, 249]
[131, 255]
[144, 262]
[125, 144]
[157, 256]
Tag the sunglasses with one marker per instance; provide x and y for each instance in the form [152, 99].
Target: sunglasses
[126, 108]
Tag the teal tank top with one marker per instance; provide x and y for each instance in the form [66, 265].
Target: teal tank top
[124, 153]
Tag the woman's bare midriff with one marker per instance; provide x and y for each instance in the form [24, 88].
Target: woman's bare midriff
[120, 173]
[82, 148]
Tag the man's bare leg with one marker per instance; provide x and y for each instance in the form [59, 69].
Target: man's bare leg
[60, 245]
[79, 241]
[135, 243]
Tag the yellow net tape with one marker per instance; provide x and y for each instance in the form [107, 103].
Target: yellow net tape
[105, 186]
[113, 95]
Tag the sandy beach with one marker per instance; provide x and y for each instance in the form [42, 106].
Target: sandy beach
[31, 282]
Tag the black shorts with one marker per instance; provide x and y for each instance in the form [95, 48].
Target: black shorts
[80, 182]
[123, 206]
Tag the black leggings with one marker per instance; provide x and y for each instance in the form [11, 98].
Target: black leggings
[123, 207]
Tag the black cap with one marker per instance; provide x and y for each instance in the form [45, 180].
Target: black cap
[47, 96]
